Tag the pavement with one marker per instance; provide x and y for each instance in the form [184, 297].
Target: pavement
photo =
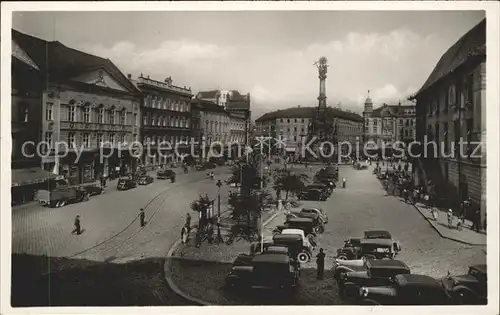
[364, 205]
[465, 236]
[111, 229]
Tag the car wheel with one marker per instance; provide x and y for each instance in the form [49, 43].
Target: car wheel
[62, 203]
[319, 229]
[303, 257]
[350, 290]
[462, 297]
[369, 302]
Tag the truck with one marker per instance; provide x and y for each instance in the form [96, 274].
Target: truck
[60, 193]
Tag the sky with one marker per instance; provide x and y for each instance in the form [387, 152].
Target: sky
[269, 54]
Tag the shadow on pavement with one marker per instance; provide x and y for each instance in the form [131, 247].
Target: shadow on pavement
[47, 281]
[205, 280]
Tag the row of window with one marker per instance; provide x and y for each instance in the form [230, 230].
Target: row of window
[166, 121]
[294, 120]
[167, 104]
[459, 94]
[172, 139]
[89, 115]
[84, 139]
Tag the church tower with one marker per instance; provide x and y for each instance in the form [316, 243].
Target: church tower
[368, 107]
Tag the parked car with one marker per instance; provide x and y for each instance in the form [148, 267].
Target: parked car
[313, 194]
[310, 228]
[165, 174]
[255, 249]
[296, 246]
[369, 248]
[317, 219]
[126, 184]
[378, 272]
[406, 289]
[470, 288]
[317, 211]
[93, 190]
[145, 180]
[342, 266]
[284, 274]
[61, 196]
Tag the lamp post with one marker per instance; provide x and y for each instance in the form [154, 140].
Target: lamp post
[219, 185]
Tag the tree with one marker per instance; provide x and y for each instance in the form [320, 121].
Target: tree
[246, 175]
[201, 205]
[289, 182]
[248, 206]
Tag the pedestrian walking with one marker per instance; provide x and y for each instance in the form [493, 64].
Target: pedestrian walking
[142, 217]
[450, 218]
[344, 182]
[77, 224]
[184, 235]
[476, 220]
[188, 222]
[320, 264]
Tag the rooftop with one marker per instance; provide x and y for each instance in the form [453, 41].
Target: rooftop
[62, 62]
[472, 44]
[307, 112]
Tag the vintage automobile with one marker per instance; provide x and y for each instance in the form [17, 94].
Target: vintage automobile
[255, 249]
[369, 248]
[381, 234]
[265, 270]
[317, 211]
[313, 194]
[317, 219]
[126, 184]
[93, 190]
[327, 189]
[310, 228]
[296, 246]
[378, 272]
[165, 174]
[341, 266]
[406, 289]
[470, 288]
[145, 180]
[308, 242]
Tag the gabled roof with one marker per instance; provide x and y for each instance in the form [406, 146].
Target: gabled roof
[61, 62]
[207, 94]
[394, 110]
[307, 112]
[472, 44]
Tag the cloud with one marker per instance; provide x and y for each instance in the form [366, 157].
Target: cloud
[392, 65]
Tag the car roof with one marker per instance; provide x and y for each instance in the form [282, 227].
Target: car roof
[287, 236]
[375, 233]
[303, 220]
[271, 258]
[292, 231]
[481, 268]
[385, 264]
[405, 280]
[311, 209]
[377, 241]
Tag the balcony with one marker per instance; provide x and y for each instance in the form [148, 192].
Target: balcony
[95, 127]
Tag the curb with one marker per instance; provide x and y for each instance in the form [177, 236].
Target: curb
[441, 234]
[168, 273]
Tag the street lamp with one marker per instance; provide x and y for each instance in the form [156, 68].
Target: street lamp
[219, 185]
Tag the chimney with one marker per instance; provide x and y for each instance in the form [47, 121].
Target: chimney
[129, 76]
[298, 106]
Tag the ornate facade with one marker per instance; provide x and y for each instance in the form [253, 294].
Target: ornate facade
[166, 118]
[451, 107]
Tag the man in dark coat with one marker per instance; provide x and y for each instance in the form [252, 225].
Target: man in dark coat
[142, 218]
[320, 264]
[78, 229]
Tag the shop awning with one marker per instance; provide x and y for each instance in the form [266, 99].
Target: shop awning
[28, 176]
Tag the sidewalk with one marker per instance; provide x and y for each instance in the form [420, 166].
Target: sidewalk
[465, 236]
